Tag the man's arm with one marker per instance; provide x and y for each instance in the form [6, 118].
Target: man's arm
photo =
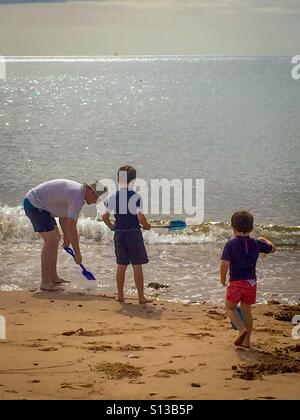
[106, 220]
[63, 221]
[268, 242]
[143, 221]
[223, 271]
[69, 228]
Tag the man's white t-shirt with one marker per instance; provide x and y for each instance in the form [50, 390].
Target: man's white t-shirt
[60, 197]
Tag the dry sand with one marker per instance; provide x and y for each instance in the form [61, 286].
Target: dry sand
[76, 346]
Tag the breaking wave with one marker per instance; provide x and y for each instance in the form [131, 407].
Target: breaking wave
[15, 226]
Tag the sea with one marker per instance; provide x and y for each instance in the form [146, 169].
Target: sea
[233, 122]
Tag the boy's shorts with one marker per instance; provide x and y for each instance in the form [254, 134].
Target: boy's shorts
[130, 248]
[241, 291]
[42, 220]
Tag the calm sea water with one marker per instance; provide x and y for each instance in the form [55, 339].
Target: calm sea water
[232, 121]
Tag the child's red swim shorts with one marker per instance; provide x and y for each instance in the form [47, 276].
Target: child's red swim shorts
[241, 291]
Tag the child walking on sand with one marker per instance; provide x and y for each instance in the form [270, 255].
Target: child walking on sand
[240, 256]
[127, 207]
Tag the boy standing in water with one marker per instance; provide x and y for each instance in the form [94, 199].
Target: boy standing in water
[127, 207]
[240, 257]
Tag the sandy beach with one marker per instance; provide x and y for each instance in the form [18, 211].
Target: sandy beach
[84, 346]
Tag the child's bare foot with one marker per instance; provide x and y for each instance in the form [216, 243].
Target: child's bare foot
[145, 300]
[246, 342]
[58, 280]
[50, 287]
[120, 299]
[239, 341]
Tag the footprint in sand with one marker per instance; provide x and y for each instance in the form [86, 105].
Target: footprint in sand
[48, 349]
[67, 386]
[165, 373]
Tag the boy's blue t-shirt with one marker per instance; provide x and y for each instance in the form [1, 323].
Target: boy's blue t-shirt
[125, 204]
[242, 253]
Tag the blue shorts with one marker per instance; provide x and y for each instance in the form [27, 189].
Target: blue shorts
[130, 248]
[42, 220]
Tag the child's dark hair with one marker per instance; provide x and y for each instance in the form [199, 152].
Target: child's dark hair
[130, 171]
[242, 221]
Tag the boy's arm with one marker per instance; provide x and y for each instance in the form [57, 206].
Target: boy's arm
[268, 242]
[106, 220]
[223, 271]
[143, 221]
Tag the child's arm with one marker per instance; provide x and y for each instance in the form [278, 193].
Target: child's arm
[143, 221]
[224, 270]
[268, 242]
[106, 220]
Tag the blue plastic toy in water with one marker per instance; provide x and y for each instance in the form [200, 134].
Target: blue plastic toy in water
[173, 225]
[239, 311]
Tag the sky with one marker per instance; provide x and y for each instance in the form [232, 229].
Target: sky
[159, 27]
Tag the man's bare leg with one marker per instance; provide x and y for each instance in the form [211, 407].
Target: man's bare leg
[139, 282]
[55, 277]
[49, 251]
[120, 278]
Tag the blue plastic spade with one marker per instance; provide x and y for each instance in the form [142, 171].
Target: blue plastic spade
[87, 274]
[240, 313]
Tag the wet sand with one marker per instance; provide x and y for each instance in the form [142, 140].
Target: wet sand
[80, 346]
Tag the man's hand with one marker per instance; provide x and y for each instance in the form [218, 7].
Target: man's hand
[66, 243]
[78, 259]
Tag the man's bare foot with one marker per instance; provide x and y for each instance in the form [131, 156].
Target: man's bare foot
[145, 300]
[60, 281]
[50, 287]
[239, 341]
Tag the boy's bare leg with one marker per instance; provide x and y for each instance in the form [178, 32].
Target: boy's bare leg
[50, 249]
[139, 282]
[248, 321]
[236, 320]
[120, 278]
